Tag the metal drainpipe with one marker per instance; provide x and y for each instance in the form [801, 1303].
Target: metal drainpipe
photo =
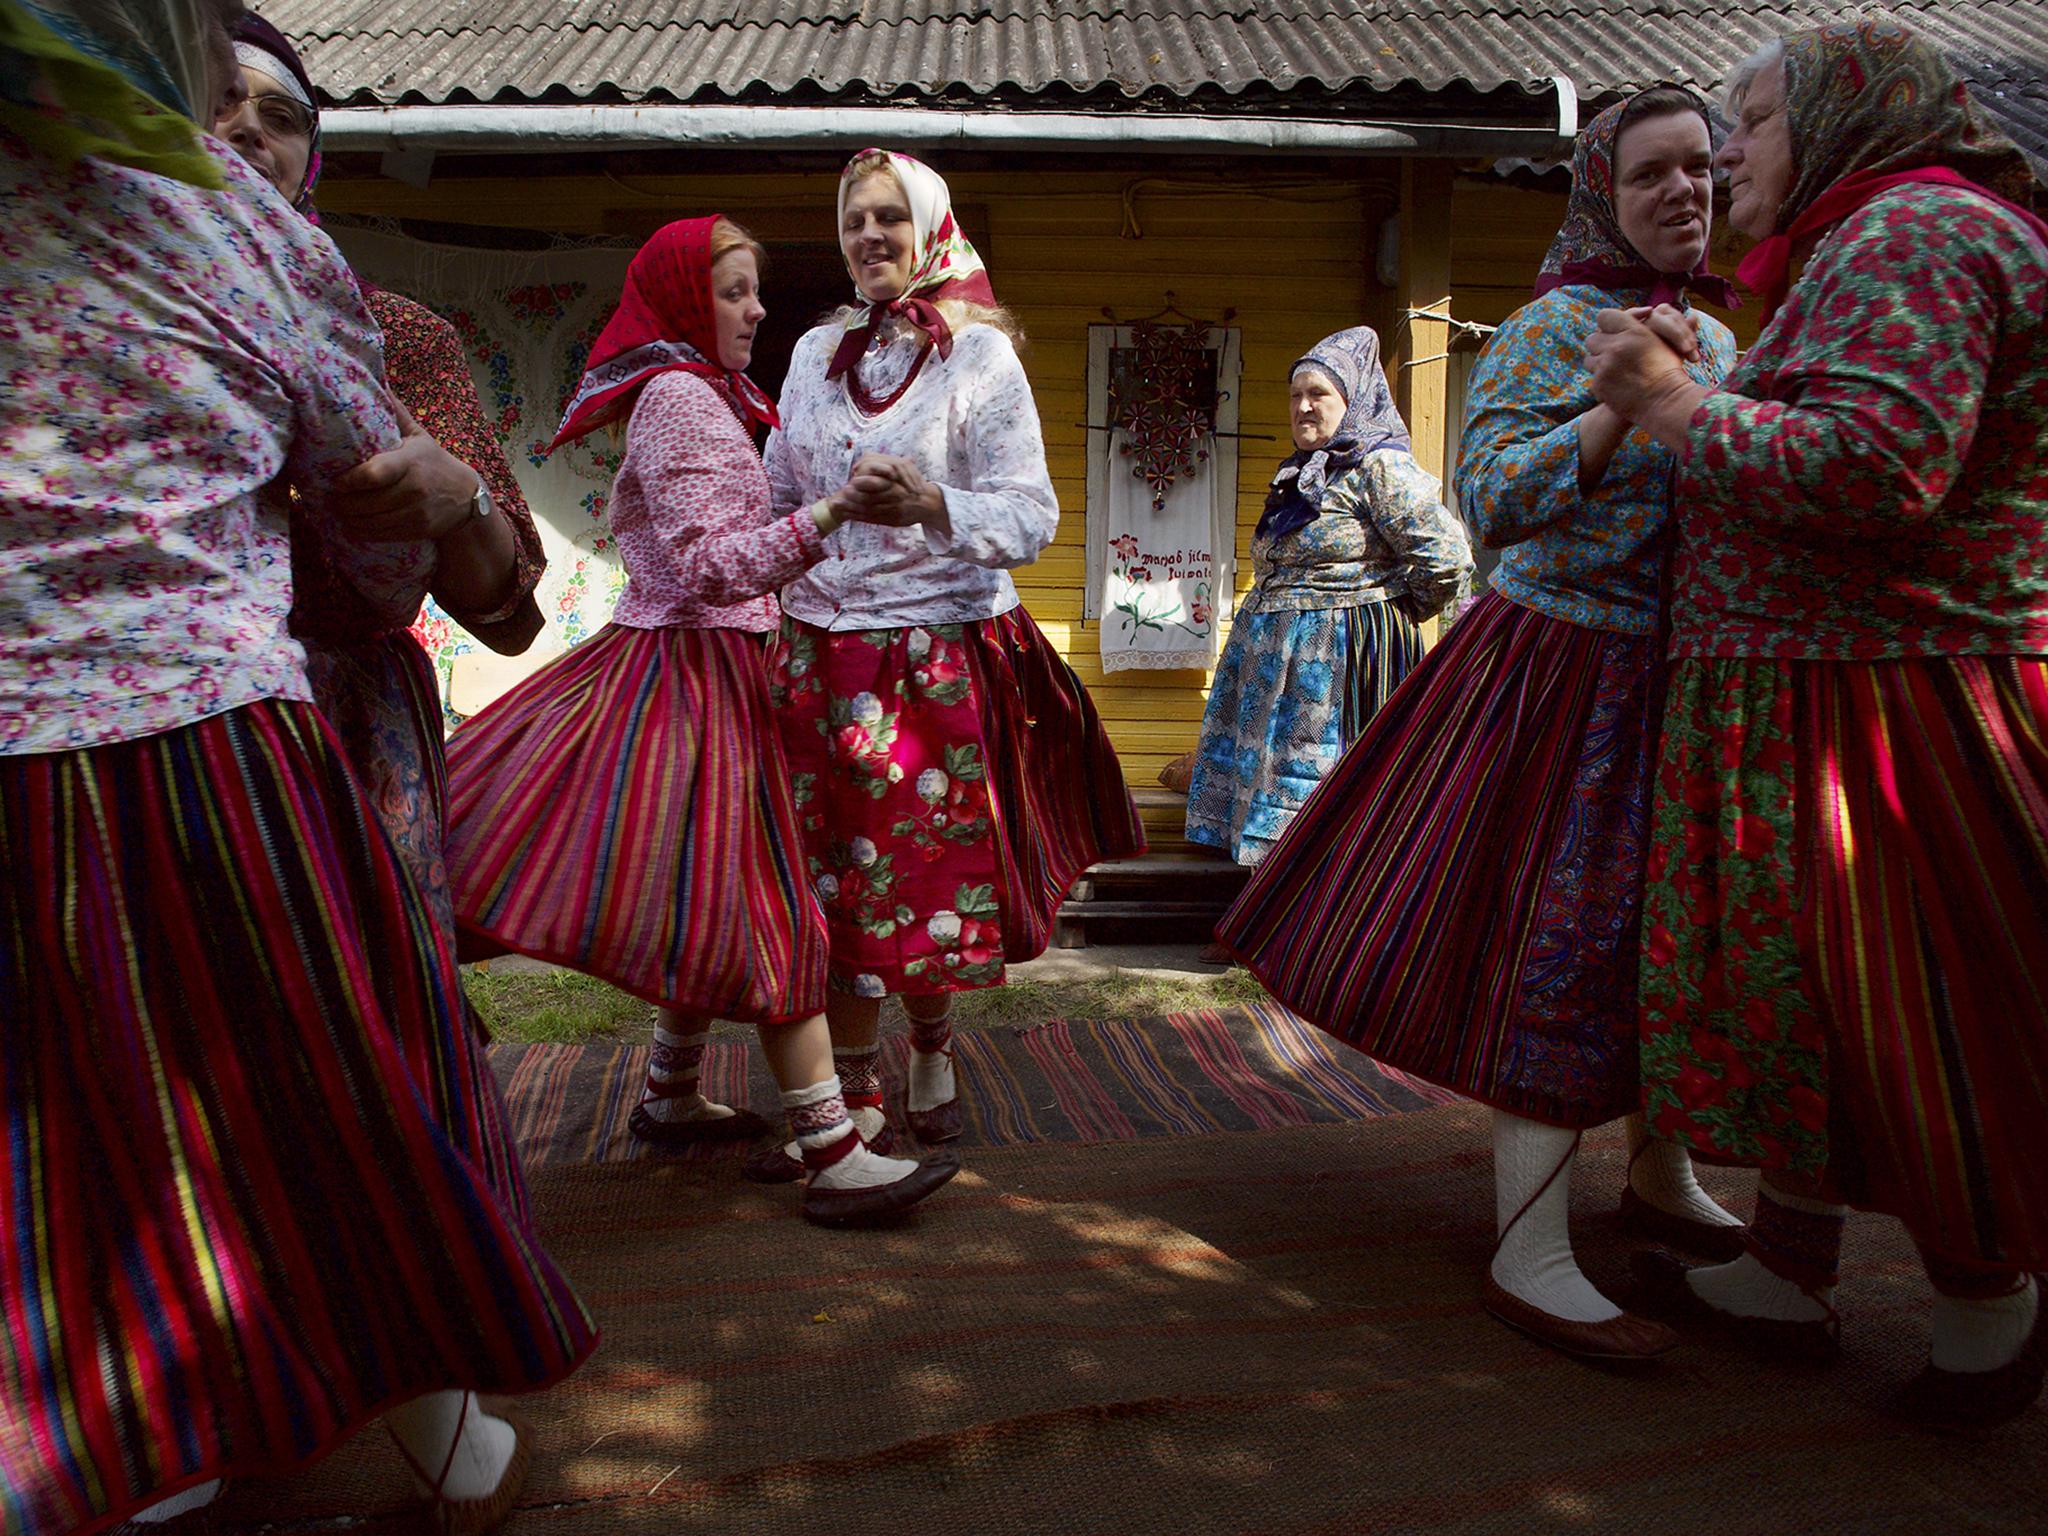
[412, 133]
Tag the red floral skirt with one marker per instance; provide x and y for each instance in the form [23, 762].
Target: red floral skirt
[952, 781]
[1845, 954]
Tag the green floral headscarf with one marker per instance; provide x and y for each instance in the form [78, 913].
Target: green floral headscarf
[118, 80]
[1871, 97]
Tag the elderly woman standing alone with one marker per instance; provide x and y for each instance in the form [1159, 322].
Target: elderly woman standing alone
[952, 773]
[1354, 549]
[1845, 959]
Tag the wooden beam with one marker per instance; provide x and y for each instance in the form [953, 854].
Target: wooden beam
[1424, 294]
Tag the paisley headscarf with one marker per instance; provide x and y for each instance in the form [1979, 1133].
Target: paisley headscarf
[665, 320]
[119, 80]
[1869, 105]
[260, 46]
[1589, 246]
[1351, 361]
[943, 264]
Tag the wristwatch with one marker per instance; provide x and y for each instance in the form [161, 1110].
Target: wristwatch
[480, 504]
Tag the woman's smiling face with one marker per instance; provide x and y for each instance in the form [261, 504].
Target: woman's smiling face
[875, 236]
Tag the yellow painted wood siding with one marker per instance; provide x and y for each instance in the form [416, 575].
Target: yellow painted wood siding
[1291, 254]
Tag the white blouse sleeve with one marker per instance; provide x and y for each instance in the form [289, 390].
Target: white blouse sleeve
[1007, 511]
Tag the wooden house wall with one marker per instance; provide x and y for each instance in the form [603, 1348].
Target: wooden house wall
[1291, 254]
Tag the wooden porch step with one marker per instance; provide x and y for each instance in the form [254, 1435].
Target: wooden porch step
[1173, 897]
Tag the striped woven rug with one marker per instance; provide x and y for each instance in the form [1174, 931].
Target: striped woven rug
[1250, 1068]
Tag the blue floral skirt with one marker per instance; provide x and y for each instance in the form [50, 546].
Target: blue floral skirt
[1291, 692]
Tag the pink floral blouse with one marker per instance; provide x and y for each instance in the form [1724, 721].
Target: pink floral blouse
[167, 354]
[701, 545]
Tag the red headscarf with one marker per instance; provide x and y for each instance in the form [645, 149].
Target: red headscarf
[664, 321]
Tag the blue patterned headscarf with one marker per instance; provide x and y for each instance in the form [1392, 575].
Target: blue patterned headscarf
[1351, 361]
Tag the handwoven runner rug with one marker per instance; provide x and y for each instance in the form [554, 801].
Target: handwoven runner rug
[1275, 1333]
[1250, 1068]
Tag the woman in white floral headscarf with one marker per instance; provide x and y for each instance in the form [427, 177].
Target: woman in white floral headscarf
[952, 775]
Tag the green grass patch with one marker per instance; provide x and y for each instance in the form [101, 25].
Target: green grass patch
[560, 1006]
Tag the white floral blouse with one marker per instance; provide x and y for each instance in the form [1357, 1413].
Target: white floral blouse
[168, 353]
[970, 424]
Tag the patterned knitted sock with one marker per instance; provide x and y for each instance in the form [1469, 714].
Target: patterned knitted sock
[198, 1496]
[931, 1061]
[1982, 1317]
[831, 1148]
[428, 1425]
[1532, 1196]
[860, 1076]
[1661, 1174]
[672, 1068]
[1790, 1270]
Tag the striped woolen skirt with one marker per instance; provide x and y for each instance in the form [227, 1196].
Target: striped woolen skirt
[1459, 899]
[953, 780]
[1845, 962]
[1292, 691]
[626, 812]
[246, 1175]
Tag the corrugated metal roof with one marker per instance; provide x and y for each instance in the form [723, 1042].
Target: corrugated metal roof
[1136, 52]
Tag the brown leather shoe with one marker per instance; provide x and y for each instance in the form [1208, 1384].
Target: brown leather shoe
[1661, 1288]
[770, 1163]
[1623, 1340]
[1970, 1404]
[865, 1207]
[942, 1122]
[1717, 1245]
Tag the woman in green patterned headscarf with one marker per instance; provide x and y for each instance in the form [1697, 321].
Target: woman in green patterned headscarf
[121, 80]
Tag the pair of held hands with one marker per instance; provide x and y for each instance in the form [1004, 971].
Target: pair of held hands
[887, 490]
[1637, 357]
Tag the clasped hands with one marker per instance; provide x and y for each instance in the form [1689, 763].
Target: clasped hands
[1638, 358]
[889, 491]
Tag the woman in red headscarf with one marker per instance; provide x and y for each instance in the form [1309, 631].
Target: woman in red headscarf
[627, 811]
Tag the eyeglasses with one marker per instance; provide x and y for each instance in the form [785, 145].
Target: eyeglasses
[280, 116]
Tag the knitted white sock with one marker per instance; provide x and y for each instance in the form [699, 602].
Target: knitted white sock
[932, 1082]
[931, 1060]
[868, 1120]
[425, 1427]
[1974, 1335]
[678, 1057]
[1745, 1287]
[819, 1116]
[1661, 1174]
[198, 1496]
[1534, 1262]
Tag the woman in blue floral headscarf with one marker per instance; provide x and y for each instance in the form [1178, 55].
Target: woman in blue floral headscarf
[1354, 549]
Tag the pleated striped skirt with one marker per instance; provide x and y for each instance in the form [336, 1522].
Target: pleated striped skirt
[953, 780]
[1292, 691]
[256, 1179]
[1460, 897]
[626, 812]
[1845, 962]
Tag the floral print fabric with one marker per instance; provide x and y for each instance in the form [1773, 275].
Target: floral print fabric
[1596, 559]
[1734, 1059]
[175, 353]
[691, 514]
[1384, 533]
[887, 758]
[1873, 479]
